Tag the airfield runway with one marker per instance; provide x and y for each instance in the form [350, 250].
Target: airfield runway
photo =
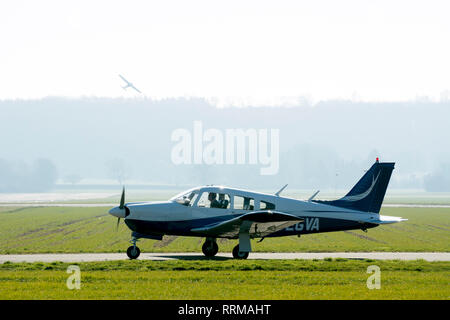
[89, 257]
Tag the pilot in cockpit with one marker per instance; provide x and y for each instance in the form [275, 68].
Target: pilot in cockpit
[212, 198]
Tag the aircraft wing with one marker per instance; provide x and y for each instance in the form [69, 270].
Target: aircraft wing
[257, 224]
[135, 88]
[125, 79]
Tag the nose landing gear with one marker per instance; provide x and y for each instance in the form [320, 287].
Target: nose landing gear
[133, 251]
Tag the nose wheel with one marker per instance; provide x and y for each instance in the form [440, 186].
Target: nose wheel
[133, 251]
[210, 248]
[239, 254]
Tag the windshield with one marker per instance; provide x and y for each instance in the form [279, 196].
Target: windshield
[185, 197]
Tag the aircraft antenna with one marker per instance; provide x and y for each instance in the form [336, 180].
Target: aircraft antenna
[312, 197]
[279, 191]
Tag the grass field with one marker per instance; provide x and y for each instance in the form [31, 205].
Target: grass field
[231, 279]
[91, 229]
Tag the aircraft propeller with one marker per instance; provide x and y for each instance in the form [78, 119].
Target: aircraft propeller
[117, 225]
[121, 206]
[121, 211]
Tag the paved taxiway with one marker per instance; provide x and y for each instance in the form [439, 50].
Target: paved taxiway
[86, 257]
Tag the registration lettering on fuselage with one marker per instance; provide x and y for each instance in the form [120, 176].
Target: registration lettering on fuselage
[310, 224]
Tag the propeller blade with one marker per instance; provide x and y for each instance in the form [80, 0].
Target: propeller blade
[117, 225]
[122, 199]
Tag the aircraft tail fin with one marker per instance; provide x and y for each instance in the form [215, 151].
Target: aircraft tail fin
[367, 195]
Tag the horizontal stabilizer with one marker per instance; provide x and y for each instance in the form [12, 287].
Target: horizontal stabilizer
[389, 219]
[385, 220]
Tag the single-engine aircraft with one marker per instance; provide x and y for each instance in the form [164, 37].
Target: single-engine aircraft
[220, 212]
[128, 84]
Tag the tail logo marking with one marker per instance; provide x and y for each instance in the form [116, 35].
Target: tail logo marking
[364, 194]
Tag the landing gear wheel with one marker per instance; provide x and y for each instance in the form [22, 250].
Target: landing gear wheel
[210, 248]
[239, 254]
[133, 252]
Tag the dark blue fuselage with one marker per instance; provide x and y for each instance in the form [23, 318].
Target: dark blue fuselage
[183, 228]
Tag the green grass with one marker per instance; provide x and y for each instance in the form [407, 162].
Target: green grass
[229, 279]
[91, 229]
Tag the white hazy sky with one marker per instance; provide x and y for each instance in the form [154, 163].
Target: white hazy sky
[257, 51]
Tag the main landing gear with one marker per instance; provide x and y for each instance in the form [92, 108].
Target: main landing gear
[210, 249]
[239, 254]
[133, 251]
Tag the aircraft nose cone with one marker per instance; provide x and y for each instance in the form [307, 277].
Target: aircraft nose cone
[117, 212]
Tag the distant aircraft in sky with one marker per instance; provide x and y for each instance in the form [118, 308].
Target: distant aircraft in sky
[129, 84]
[219, 212]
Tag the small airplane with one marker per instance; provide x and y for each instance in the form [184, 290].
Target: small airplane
[129, 84]
[219, 212]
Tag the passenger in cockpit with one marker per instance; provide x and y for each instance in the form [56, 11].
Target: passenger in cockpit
[223, 202]
[212, 198]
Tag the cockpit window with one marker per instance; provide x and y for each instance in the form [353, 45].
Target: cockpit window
[192, 201]
[214, 200]
[186, 192]
[186, 199]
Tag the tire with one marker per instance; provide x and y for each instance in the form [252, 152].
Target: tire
[239, 254]
[210, 248]
[133, 252]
